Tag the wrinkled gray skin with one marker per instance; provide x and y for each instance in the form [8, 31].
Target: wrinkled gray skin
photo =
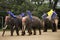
[13, 24]
[53, 23]
[31, 24]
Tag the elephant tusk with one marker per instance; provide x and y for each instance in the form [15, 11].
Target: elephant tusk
[5, 27]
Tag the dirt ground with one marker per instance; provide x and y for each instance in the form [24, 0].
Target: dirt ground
[45, 36]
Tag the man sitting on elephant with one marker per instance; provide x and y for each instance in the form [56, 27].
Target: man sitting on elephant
[29, 15]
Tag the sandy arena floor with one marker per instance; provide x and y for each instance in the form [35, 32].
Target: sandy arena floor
[45, 36]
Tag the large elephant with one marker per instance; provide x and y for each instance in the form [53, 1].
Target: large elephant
[53, 23]
[31, 24]
[13, 23]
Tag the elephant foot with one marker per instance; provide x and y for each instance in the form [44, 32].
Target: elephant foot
[30, 33]
[17, 34]
[34, 34]
[54, 31]
[2, 35]
[44, 31]
[3, 32]
[11, 35]
[23, 33]
[40, 33]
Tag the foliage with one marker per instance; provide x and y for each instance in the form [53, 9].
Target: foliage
[18, 6]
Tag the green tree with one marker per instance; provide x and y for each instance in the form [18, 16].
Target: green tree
[55, 3]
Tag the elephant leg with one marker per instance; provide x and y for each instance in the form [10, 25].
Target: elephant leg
[23, 28]
[39, 31]
[3, 32]
[4, 29]
[12, 30]
[30, 31]
[17, 31]
[29, 28]
[56, 22]
[54, 27]
[23, 32]
[43, 25]
[45, 28]
[34, 31]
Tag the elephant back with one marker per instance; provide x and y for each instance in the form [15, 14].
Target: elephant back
[34, 22]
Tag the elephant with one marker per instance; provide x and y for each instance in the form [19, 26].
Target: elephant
[53, 23]
[31, 24]
[13, 23]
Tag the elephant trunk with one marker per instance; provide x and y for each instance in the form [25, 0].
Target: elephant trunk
[4, 30]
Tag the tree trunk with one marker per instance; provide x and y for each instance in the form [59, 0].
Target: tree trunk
[55, 3]
[50, 4]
